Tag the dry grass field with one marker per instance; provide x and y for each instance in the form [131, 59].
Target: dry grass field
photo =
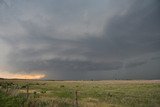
[109, 93]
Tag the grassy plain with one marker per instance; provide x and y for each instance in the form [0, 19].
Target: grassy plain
[108, 93]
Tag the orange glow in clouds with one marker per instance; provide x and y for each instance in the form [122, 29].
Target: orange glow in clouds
[21, 76]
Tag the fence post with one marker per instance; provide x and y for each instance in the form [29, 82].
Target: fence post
[27, 91]
[76, 98]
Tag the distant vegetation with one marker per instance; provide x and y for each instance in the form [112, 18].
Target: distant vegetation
[118, 93]
[1, 78]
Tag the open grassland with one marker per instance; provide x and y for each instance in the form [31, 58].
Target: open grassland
[111, 93]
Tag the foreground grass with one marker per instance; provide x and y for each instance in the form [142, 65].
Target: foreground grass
[89, 93]
[10, 101]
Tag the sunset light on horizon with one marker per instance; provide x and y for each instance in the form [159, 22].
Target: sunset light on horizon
[21, 76]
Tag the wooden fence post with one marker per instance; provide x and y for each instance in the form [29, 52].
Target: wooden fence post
[76, 98]
[27, 91]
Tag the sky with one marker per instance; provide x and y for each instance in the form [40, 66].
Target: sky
[80, 39]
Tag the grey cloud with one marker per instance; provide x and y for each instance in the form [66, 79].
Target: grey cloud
[131, 34]
[68, 65]
[156, 58]
[65, 69]
[2, 2]
[83, 39]
[135, 64]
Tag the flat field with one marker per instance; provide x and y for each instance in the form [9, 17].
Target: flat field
[108, 93]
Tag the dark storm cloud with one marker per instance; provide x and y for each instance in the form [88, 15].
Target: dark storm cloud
[2, 2]
[134, 32]
[82, 39]
[70, 65]
[135, 64]
[156, 58]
